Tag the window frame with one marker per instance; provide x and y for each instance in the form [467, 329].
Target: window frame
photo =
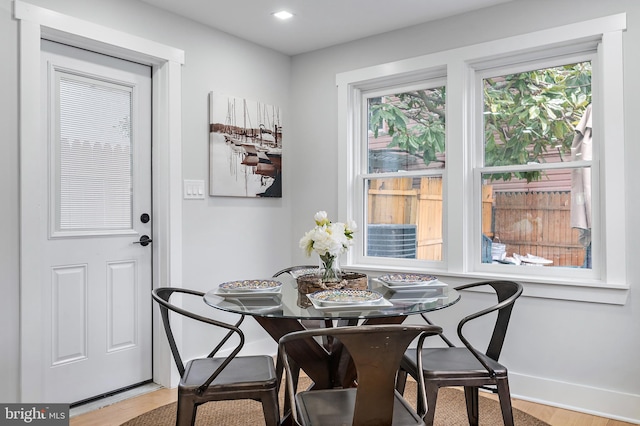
[579, 52]
[431, 81]
[605, 283]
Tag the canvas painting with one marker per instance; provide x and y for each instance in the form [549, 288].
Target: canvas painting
[245, 148]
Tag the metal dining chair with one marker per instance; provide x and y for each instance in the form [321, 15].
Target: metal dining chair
[467, 366]
[218, 378]
[295, 272]
[376, 351]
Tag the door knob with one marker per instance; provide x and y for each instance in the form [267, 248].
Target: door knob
[144, 241]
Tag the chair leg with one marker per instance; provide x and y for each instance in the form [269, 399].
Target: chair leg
[270, 408]
[328, 340]
[505, 401]
[186, 415]
[295, 372]
[471, 397]
[429, 412]
[279, 369]
[401, 381]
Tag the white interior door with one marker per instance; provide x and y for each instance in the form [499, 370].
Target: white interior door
[96, 154]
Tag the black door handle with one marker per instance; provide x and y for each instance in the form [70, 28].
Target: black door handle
[144, 241]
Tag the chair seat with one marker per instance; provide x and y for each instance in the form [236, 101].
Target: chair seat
[232, 377]
[335, 407]
[247, 372]
[453, 362]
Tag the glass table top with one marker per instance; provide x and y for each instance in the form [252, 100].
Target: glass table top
[286, 301]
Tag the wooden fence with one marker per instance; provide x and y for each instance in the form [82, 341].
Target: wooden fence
[399, 201]
[527, 222]
[538, 223]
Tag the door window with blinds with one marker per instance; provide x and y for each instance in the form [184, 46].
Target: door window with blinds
[91, 156]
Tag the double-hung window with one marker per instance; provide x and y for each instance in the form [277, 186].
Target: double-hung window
[403, 157]
[504, 159]
[536, 164]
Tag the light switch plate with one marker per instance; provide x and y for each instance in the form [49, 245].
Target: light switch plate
[193, 189]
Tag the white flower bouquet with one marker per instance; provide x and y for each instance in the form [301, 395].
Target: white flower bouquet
[329, 240]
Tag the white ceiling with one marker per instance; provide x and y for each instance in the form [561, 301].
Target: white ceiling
[317, 23]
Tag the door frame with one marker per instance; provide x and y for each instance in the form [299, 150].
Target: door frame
[36, 23]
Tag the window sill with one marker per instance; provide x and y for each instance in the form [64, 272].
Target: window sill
[544, 288]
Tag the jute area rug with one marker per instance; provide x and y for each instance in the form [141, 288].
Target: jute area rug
[450, 411]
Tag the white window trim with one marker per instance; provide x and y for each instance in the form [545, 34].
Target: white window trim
[611, 285]
[566, 54]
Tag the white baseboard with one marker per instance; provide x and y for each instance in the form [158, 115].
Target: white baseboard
[575, 397]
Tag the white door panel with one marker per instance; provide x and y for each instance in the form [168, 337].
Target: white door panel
[96, 157]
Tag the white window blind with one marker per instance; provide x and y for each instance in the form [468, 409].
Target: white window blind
[93, 155]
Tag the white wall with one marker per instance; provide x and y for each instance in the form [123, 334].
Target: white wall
[574, 354]
[9, 271]
[223, 238]
[581, 355]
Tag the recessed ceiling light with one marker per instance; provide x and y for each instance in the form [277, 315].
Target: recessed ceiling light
[283, 14]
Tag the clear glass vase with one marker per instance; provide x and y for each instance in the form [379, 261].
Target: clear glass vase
[329, 269]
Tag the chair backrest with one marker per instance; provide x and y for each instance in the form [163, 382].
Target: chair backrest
[296, 271]
[162, 296]
[507, 293]
[376, 351]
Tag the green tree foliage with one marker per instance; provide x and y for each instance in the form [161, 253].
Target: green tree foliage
[414, 120]
[526, 116]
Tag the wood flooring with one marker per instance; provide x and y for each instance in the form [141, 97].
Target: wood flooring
[120, 412]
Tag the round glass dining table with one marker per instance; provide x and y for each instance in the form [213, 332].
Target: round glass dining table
[289, 303]
[286, 310]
